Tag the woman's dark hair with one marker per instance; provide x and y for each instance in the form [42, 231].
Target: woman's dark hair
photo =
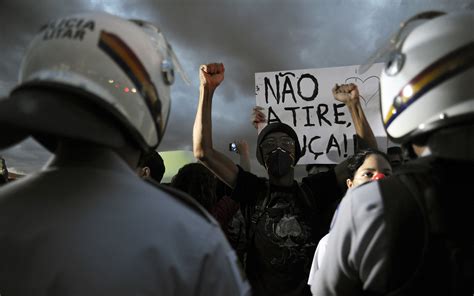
[199, 182]
[3, 171]
[355, 161]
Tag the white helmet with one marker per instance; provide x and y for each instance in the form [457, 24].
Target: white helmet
[127, 67]
[427, 81]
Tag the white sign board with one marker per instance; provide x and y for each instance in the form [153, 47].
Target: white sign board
[303, 99]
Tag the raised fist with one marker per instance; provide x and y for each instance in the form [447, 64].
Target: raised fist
[211, 75]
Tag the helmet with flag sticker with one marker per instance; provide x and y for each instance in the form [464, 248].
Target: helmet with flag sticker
[124, 68]
[427, 80]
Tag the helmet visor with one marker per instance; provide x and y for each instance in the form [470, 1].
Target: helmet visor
[162, 45]
[169, 62]
[391, 48]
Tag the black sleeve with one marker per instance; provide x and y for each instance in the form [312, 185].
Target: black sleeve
[248, 187]
[323, 189]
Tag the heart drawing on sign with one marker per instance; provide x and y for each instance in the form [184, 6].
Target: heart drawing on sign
[368, 87]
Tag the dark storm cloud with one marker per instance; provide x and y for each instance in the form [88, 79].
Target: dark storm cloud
[248, 36]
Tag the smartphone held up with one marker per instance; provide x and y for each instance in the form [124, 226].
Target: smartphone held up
[233, 147]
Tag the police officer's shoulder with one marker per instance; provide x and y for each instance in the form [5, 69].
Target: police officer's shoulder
[186, 200]
[420, 165]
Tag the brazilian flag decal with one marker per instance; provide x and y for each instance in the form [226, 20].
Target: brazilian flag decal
[128, 61]
[450, 65]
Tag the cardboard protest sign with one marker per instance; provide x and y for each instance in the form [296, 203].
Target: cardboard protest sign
[303, 99]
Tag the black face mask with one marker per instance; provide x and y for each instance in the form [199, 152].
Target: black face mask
[279, 162]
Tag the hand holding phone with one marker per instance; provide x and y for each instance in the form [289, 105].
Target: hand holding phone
[233, 147]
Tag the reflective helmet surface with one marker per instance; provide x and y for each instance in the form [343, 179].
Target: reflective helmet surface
[126, 66]
[427, 83]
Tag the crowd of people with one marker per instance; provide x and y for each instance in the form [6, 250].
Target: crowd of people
[395, 223]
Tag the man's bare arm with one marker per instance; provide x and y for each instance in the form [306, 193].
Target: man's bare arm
[349, 95]
[211, 75]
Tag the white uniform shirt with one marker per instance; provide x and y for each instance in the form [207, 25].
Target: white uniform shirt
[354, 258]
[320, 251]
[318, 258]
[100, 230]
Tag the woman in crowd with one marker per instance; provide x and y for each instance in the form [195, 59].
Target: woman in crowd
[364, 166]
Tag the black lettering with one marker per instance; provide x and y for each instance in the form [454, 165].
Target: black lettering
[70, 23]
[310, 149]
[79, 23]
[89, 25]
[43, 27]
[79, 34]
[337, 113]
[308, 117]
[67, 34]
[270, 119]
[345, 145]
[321, 114]
[58, 33]
[303, 148]
[287, 89]
[292, 109]
[60, 24]
[315, 89]
[52, 24]
[286, 74]
[333, 143]
[267, 83]
[47, 34]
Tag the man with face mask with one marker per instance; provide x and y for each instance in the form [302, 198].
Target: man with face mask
[284, 219]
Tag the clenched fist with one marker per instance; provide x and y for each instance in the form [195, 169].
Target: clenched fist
[346, 93]
[211, 75]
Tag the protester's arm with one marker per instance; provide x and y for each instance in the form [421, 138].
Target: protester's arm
[211, 76]
[318, 258]
[243, 151]
[349, 95]
[356, 253]
[258, 117]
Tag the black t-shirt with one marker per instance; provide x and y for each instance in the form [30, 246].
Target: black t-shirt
[286, 230]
